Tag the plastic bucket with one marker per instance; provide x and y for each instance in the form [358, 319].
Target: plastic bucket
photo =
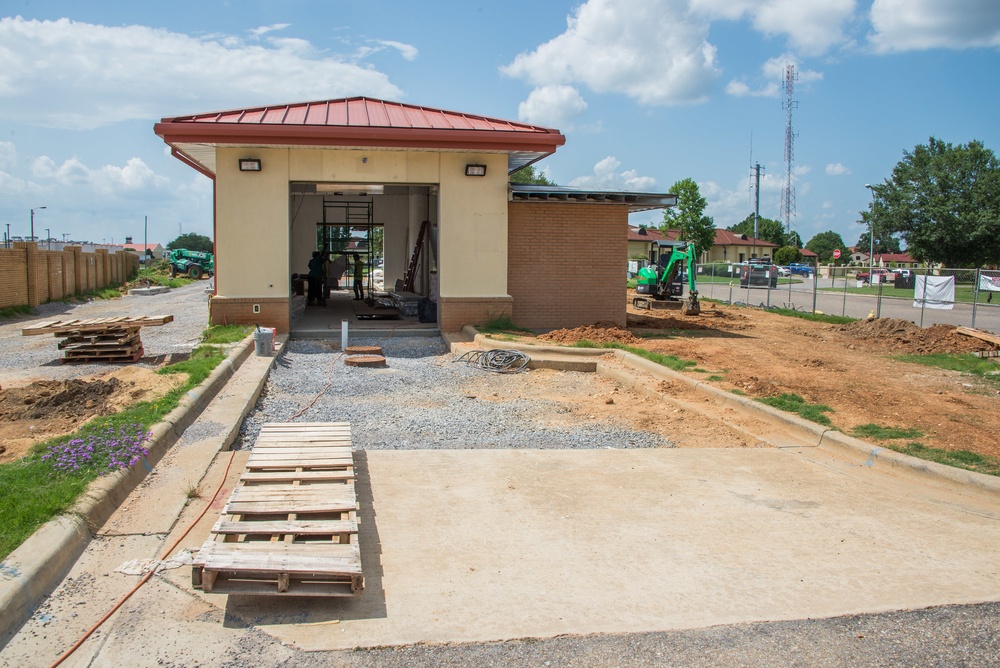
[263, 341]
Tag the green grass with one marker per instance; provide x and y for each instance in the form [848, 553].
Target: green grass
[501, 325]
[225, 333]
[963, 293]
[715, 377]
[158, 274]
[738, 392]
[793, 403]
[15, 311]
[880, 433]
[986, 368]
[109, 292]
[815, 317]
[32, 493]
[962, 459]
[669, 361]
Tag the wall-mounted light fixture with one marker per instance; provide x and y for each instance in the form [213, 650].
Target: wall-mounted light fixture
[249, 165]
[475, 170]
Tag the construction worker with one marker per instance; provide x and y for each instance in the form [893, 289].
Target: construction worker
[359, 277]
[315, 278]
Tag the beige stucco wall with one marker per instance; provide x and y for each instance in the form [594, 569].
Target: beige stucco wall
[258, 247]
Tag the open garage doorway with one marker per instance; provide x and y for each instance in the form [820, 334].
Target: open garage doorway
[391, 231]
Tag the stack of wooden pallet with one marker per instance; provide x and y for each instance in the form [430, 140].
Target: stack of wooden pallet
[99, 339]
[290, 527]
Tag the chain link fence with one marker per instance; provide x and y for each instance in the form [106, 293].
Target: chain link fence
[958, 297]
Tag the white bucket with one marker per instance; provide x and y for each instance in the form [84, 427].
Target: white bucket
[263, 341]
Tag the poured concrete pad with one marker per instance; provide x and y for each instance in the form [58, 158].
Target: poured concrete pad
[487, 545]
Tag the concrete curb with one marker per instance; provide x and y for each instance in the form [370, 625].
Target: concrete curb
[811, 432]
[34, 569]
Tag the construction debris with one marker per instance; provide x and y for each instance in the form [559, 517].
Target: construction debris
[100, 339]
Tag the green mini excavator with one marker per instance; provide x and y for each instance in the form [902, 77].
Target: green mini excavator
[658, 281]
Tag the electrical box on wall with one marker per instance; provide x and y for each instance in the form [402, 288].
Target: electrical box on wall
[256, 308]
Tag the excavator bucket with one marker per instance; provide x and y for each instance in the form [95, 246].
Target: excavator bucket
[691, 305]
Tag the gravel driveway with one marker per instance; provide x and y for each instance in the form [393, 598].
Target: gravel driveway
[28, 358]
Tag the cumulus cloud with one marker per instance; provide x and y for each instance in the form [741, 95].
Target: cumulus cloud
[742, 89]
[555, 106]
[135, 175]
[607, 177]
[910, 25]
[263, 30]
[771, 81]
[107, 74]
[837, 169]
[8, 155]
[407, 51]
[811, 26]
[651, 50]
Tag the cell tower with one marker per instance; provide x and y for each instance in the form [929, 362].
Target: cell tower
[788, 192]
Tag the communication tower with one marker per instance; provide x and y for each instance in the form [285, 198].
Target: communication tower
[788, 191]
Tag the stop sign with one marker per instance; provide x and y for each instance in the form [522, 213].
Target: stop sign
[836, 253]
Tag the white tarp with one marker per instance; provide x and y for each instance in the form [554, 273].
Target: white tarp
[989, 283]
[940, 292]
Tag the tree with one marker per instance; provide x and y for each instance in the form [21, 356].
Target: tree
[786, 255]
[767, 229]
[944, 201]
[793, 239]
[823, 244]
[528, 175]
[191, 241]
[688, 217]
[884, 243]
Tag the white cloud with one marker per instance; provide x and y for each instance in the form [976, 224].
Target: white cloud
[108, 74]
[910, 25]
[837, 169]
[607, 177]
[408, 51]
[109, 179]
[650, 50]
[263, 30]
[742, 89]
[554, 106]
[811, 26]
[771, 82]
[8, 155]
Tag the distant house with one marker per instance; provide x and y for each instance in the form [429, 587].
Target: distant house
[157, 250]
[731, 247]
[900, 260]
[642, 242]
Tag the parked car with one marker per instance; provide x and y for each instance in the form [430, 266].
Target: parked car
[801, 268]
[784, 271]
[758, 276]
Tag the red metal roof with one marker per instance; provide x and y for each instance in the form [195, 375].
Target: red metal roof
[651, 234]
[360, 122]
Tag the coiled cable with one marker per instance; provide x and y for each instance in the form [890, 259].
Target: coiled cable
[497, 361]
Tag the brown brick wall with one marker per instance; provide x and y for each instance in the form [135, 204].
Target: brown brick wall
[457, 312]
[274, 311]
[566, 263]
[30, 276]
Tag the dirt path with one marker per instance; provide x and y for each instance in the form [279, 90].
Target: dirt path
[847, 367]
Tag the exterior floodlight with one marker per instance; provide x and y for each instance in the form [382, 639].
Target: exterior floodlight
[249, 165]
[475, 170]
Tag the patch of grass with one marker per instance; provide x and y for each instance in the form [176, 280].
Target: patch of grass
[815, 317]
[985, 368]
[880, 433]
[738, 392]
[15, 311]
[502, 325]
[109, 292]
[698, 369]
[669, 361]
[32, 492]
[715, 377]
[793, 403]
[225, 333]
[963, 459]
[505, 337]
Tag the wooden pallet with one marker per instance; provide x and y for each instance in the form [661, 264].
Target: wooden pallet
[67, 327]
[290, 527]
[99, 339]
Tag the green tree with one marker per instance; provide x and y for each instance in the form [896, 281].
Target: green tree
[689, 216]
[823, 245]
[528, 175]
[793, 239]
[767, 229]
[944, 201]
[192, 242]
[884, 243]
[786, 255]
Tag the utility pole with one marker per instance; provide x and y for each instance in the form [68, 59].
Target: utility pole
[756, 208]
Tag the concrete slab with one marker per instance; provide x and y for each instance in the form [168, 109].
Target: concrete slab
[488, 545]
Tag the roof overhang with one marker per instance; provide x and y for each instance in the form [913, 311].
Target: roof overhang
[355, 123]
[635, 201]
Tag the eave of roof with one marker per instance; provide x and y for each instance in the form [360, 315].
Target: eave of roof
[355, 123]
[636, 201]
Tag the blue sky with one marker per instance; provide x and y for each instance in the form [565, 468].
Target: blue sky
[647, 92]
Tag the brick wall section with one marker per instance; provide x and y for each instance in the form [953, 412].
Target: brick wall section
[30, 276]
[457, 312]
[565, 265]
[274, 311]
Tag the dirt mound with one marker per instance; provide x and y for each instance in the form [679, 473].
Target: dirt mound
[906, 337]
[57, 398]
[599, 332]
[664, 322]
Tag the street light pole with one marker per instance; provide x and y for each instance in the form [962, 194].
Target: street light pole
[37, 208]
[871, 237]
[6, 239]
[48, 235]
